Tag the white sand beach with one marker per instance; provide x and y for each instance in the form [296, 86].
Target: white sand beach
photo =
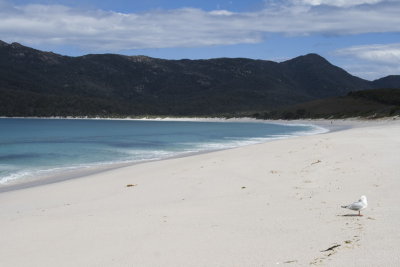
[271, 204]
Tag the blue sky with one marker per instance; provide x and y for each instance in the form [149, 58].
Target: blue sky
[361, 36]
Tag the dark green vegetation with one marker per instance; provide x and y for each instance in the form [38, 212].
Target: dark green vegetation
[373, 103]
[36, 83]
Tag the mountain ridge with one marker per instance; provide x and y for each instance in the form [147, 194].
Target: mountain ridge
[37, 83]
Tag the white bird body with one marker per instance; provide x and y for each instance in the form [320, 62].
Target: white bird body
[358, 205]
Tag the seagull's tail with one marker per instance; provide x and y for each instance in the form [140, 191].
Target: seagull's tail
[345, 207]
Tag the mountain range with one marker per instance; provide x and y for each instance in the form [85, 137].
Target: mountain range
[38, 83]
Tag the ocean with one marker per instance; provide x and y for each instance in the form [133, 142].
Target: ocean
[31, 148]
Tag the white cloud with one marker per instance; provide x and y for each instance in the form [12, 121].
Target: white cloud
[371, 61]
[379, 53]
[221, 12]
[111, 31]
[371, 71]
[338, 3]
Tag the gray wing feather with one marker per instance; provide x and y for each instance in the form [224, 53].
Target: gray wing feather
[356, 206]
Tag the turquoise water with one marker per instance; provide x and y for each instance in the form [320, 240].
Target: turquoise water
[34, 147]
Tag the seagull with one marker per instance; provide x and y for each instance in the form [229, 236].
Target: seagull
[358, 206]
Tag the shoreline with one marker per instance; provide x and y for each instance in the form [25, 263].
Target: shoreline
[260, 205]
[66, 173]
[80, 172]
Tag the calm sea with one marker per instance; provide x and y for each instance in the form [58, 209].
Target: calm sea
[35, 147]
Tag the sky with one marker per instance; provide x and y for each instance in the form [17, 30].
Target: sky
[360, 36]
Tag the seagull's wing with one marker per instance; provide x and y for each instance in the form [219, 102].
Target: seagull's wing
[356, 206]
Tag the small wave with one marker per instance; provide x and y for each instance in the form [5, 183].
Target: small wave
[316, 130]
[258, 140]
[26, 175]
[235, 143]
[14, 177]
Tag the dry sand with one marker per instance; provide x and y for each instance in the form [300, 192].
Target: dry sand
[270, 204]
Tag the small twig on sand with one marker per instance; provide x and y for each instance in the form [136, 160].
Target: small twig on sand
[331, 248]
[292, 261]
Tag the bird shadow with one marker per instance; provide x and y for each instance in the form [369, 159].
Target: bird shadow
[350, 215]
